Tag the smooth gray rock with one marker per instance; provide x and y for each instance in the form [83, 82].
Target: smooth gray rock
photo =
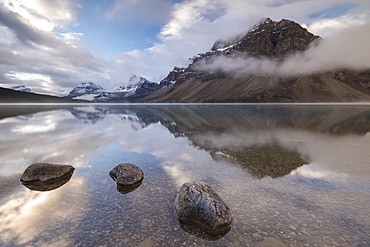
[45, 172]
[198, 204]
[127, 174]
[271, 242]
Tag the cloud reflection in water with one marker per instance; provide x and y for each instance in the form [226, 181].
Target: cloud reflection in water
[29, 215]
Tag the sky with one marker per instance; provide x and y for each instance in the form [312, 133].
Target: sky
[53, 45]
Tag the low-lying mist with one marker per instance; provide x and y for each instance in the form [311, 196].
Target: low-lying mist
[348, 49]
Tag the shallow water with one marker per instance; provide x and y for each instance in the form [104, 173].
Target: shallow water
[299, 174]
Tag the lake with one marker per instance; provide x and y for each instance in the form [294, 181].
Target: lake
[299, 174]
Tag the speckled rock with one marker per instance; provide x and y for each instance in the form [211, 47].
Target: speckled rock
[45, 172]
[127, 175]
[198, 204]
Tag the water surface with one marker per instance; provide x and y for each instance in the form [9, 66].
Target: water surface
[299, 174]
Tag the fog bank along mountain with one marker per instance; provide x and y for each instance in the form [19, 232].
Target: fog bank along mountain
[254, 67]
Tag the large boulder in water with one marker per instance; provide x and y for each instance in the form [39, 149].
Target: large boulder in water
[128, 177]
[45, 176]
[198, 204]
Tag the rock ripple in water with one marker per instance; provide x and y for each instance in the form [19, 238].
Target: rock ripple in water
[198, 204]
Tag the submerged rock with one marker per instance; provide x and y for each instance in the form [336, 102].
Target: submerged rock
[128, 177]
[199, 205]
[45, 176]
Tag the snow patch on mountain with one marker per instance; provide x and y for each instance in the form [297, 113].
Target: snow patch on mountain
[88, 97]
[21, 88]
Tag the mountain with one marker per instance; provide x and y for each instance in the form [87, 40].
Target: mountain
[13, 96]
[85, 90]
[134, 83]
[21, 88]
[138, 87]
[202, 81]
[268, 38]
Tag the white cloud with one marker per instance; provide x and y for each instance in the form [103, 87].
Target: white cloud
[27, 76]
[327, 27]
[43, 14]
[72, 39]
[28, 50]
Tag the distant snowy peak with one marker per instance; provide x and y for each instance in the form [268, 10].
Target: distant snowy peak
[134, 83]
[85, 88]
[137, 87]
[21, 88]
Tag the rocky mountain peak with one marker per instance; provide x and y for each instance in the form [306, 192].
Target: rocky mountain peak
[174, 74]
[269, 38]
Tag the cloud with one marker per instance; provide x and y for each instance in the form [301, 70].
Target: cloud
[28, 50]
[328, 26]
[43, 14]
[347, 49]
[196, 24]
[25, 33]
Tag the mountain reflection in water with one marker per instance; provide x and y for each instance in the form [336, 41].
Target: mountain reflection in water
[185, 119]
[298, 174]
[265, 159]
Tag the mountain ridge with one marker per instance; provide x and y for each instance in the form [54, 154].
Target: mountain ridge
[14, 96]
[274, 42]
[138, 87]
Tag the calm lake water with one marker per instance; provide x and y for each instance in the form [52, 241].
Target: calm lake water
[298, 174]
